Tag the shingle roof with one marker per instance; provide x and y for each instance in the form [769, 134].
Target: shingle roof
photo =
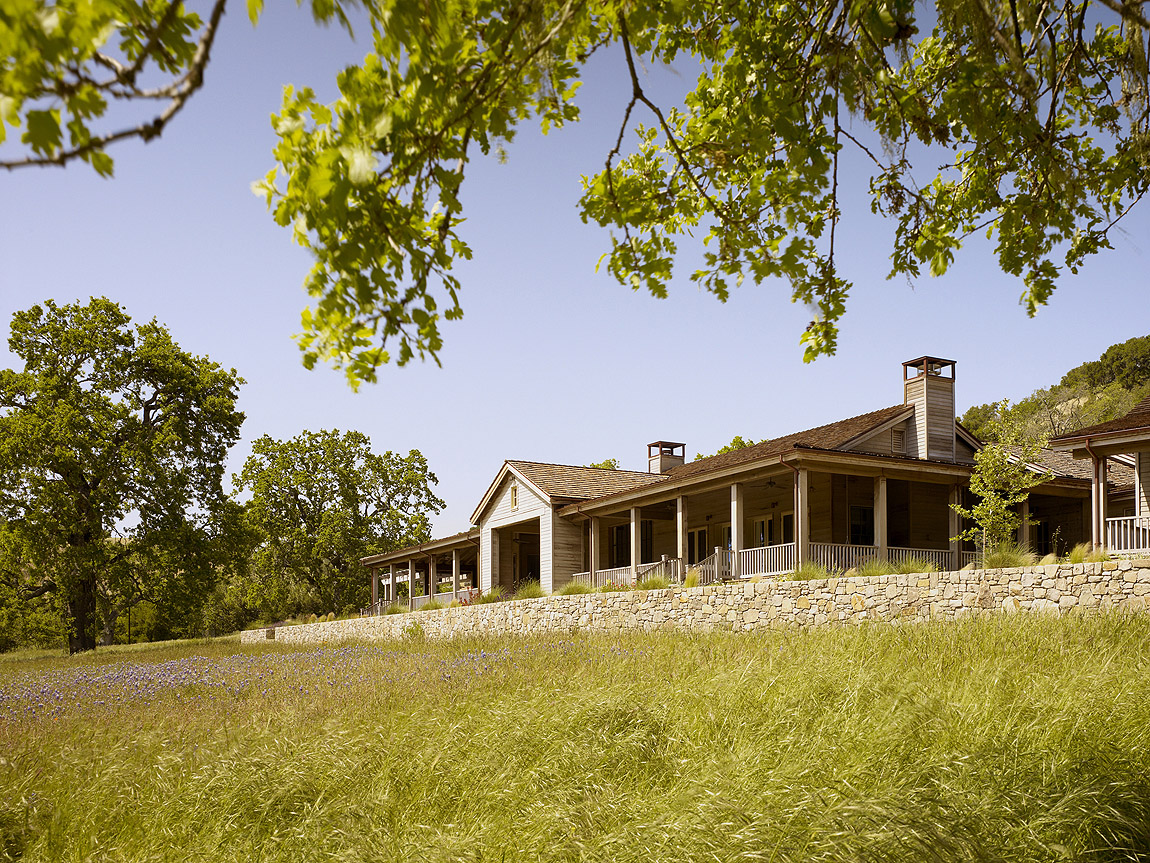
[582, 483]
[830, 436]
[1065, 466]
[1137, 417]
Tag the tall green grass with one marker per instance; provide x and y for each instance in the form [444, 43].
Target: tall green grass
[1018, 739]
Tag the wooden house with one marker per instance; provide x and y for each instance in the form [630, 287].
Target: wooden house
[878, 485]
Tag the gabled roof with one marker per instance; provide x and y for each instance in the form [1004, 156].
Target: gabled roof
[564, 483]
[1138, 417]
[581, 483]
[829, 437]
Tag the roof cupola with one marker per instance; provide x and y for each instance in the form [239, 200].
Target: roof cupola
[928, 385]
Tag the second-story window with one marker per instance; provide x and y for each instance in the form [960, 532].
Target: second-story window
[515, 497]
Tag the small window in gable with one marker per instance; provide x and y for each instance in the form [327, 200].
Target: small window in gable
[514, 496]
[898, 441]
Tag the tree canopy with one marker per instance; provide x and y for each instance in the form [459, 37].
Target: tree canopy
[1037, 112]
[737, 442]
[323, 500]
[112, 444]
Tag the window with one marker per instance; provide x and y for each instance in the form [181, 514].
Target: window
[514, 497]
[788, 527]
[898, 441]
[862, 525]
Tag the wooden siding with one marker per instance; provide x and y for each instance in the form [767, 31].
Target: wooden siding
[963, 452]
[499, 514]
[940, 417]
[567, 552]
[915, 394]
[819, 508]
[880, 442]
[499, 511]
[919, 514]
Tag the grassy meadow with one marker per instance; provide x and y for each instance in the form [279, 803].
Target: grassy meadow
[1002, 739]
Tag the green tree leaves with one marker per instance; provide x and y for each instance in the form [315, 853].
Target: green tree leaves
[1038, 118]
[112, 443]
[323, 500]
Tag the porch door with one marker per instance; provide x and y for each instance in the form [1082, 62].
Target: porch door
[788, 527]
[696, 545]
[762, 532]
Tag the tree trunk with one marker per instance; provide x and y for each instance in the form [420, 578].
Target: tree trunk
[81, 605]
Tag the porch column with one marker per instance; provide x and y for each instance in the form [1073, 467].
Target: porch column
[681, 528]
[802, 527]
[391, 572]
[1098, 503]
[736, 527]
[374, 587]
[411, 585]
[1024, 526]
[593, 547]
[455, 574]
[880, 530]
[635, 546]
[431, 576]
[955, 528]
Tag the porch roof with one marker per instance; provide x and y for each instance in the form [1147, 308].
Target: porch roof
[1131, 429]
[447, 543]
[1063, 465]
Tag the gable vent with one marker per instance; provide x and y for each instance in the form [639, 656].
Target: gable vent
[898, 441]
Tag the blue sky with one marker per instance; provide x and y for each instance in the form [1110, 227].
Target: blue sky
[552, 361]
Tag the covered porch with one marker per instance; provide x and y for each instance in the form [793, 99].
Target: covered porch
[835, 515]
[441, 571]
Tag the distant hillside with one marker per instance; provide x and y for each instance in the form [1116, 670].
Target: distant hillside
[1090, 393]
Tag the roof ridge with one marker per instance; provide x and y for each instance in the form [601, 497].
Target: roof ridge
[579, 466]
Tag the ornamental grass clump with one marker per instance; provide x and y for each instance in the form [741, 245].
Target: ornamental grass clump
[394, 608]
[910, 565]
[874, 566]
[1006, 555]
[808, 571]
[652, 582]
[495, 594]
[573, 588]
[432, 605]
[1084, 552]
[692, 578]
[528, 590]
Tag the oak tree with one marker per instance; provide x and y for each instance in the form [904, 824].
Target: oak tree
[323, 500]
[112, 445]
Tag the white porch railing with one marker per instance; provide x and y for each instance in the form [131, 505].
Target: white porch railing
[603, 577]
[715, 568]
[839, 557]
[1129, 535]
[767, 560]
[940, 557]
[670, 569]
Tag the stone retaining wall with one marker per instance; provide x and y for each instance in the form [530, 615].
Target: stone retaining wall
[756, 605]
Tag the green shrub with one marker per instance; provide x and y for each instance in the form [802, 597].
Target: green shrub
[394, 608]
[574, 587]
[529, 590]
[495, 594]
[915, 564]
[455, 603]
[1008, 554]
[692, 578]
[652, 582]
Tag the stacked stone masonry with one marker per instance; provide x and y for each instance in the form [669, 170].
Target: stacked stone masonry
[768, 604]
